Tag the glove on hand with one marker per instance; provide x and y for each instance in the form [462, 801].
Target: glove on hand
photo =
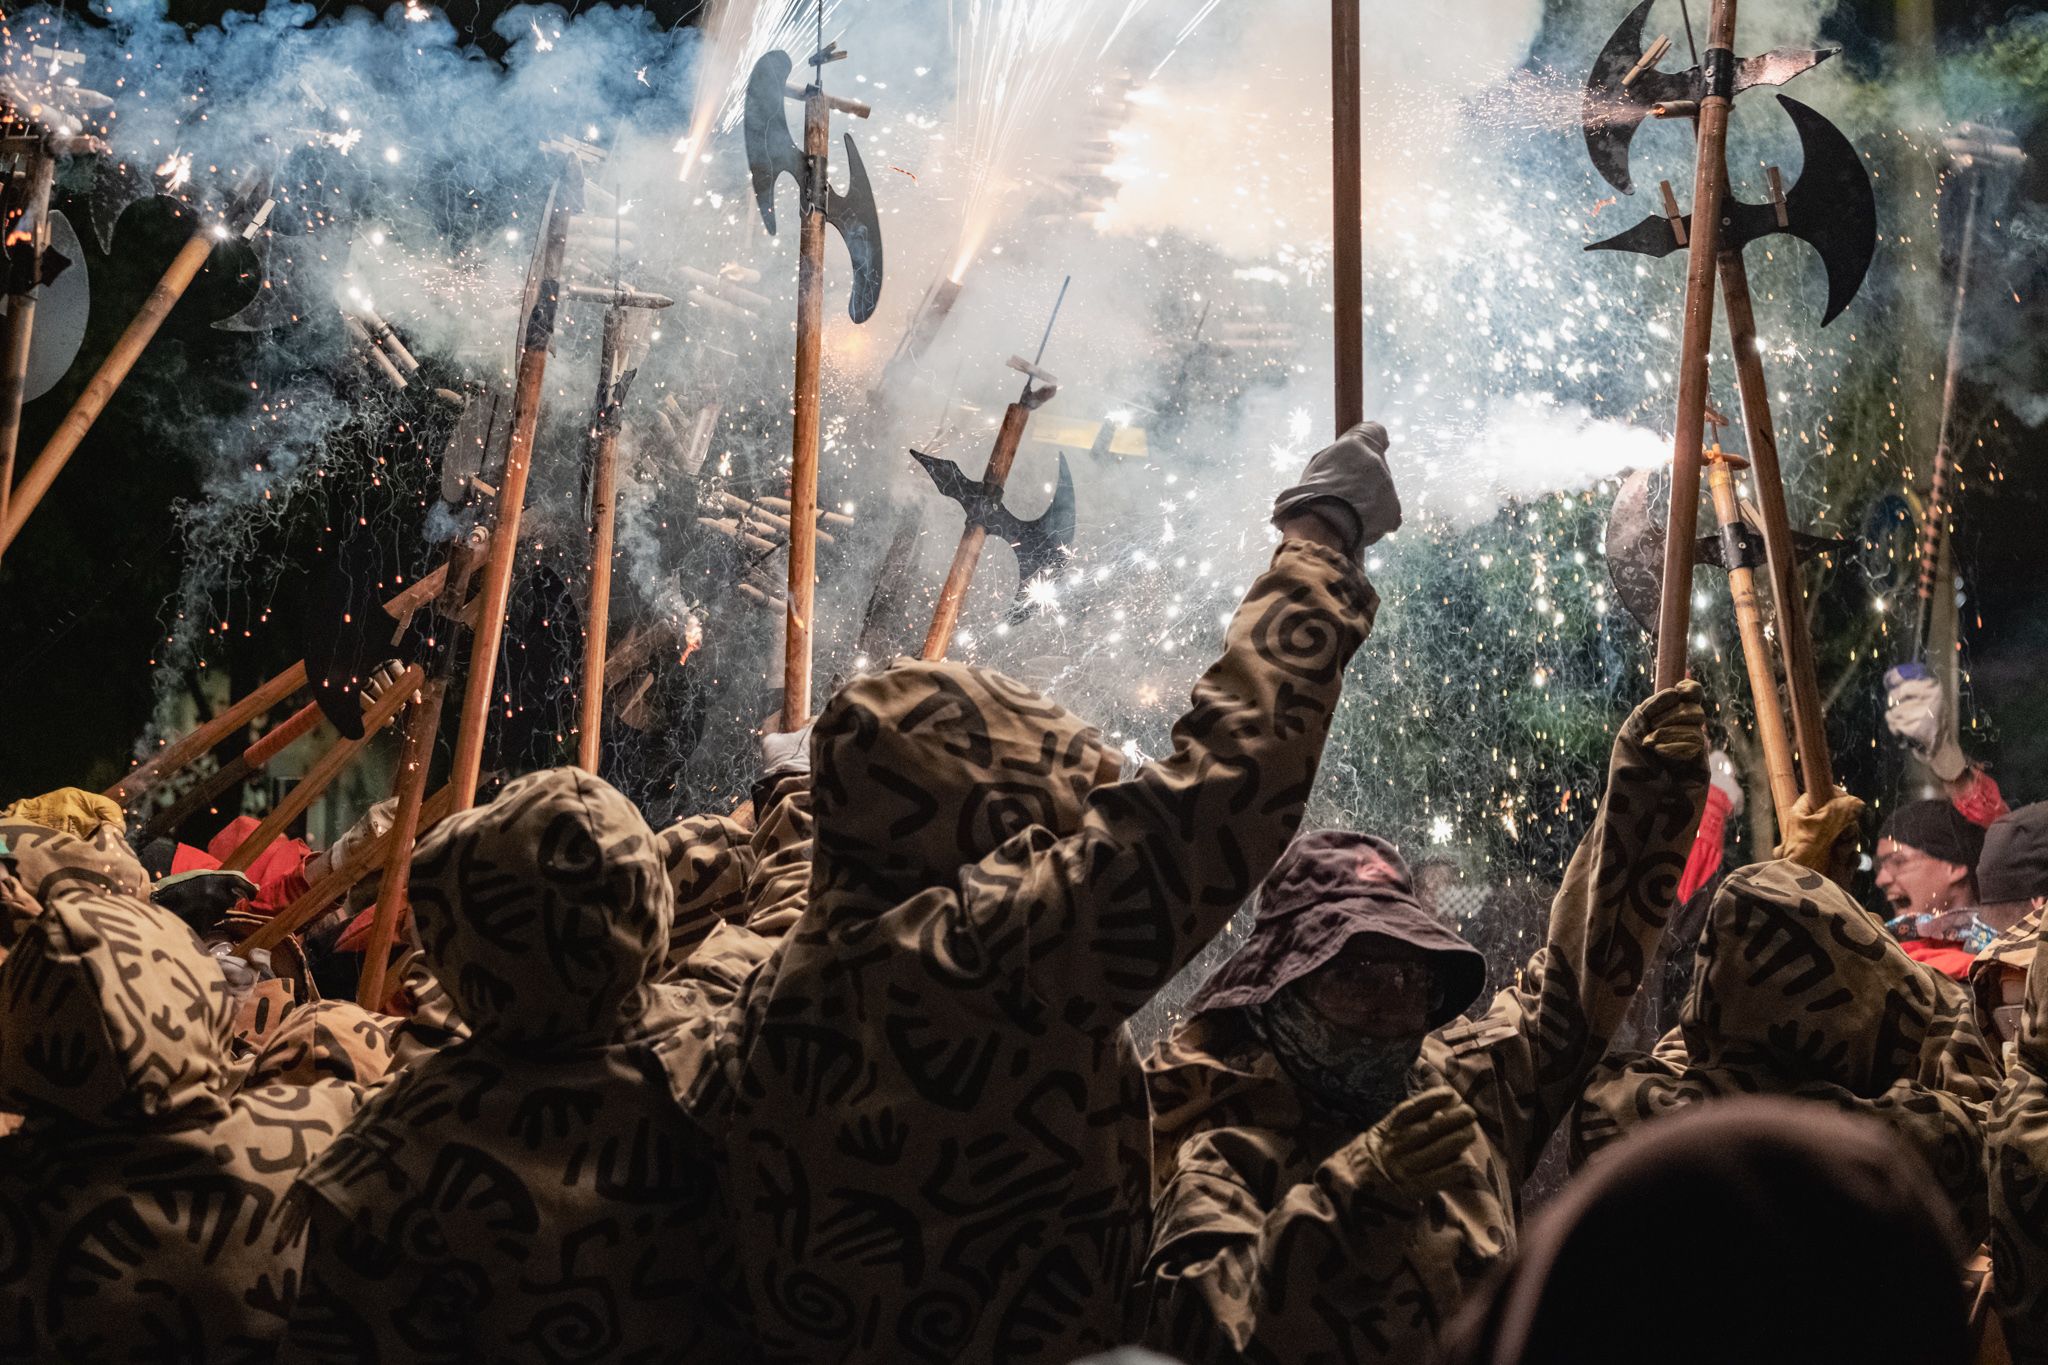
[1672, 724]
[1810, 835]
[785, 754]
[1347, 484]
[1915, 707]
[1414, 1151]
[1726, 779]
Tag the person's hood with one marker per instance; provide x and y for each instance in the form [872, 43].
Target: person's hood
[2011, 951]
[545, 913]
[1793, 979]
[47, 860]
[112, 1015]
[73, 810]
[921, 769]
[1674, 1246]
[1328, 888]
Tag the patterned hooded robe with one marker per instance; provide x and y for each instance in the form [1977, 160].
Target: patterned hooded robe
[140, 1204]
[2016, 1140]
[533, 1190]
[1269, 1246]
[1797, 990]
[940, 1146]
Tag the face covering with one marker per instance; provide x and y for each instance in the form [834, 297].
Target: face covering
[1358, 1078]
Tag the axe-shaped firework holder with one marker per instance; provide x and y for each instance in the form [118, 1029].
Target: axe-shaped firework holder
[537, 336]
[1040, 544]
[624, 339]
[99, 390]
[771, 154]
[1831, 207]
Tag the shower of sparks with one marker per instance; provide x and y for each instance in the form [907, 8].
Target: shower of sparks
[737, 34]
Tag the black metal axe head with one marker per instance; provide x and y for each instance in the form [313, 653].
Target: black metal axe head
[1830, 207]
[1626, 84]
[772, 153]
[1635, 543]
[1042, 544]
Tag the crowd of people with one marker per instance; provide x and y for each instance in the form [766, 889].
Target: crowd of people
[845, 1075]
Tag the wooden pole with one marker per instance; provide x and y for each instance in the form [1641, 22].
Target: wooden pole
[497, 578]
[1756, 653]
[1710, 185]
[322, 774]
[803, 453]
[1934, 522]
[420, 728]
[1347, 184]
[251, 760]
[63, 443]
[21, 317]
[961, 576]
[604, 499]
[175, 755]
[1795, 638]
[336, 882]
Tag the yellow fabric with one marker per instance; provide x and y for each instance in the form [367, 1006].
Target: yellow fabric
[70, 809]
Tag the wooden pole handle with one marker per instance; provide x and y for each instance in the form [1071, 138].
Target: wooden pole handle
[253, 759]
[604, 497]
[496, 589]
[1795, 637]
[1756, 654]
[63, 443]
[322, 774]
[1347, 177]
[1710, 185]
[21, 317]
[803, 453]
[200, 738]
[420, 729]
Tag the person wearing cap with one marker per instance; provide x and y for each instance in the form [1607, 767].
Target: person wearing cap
[1926, 872]
[2012, 890]
[1338, 1155]
[2015, 872]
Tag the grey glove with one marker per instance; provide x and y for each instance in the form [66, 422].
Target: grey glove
[786, 754]
[1419, 1147]
[1347, 484]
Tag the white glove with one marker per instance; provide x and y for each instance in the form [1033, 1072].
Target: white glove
[1916, 712]
[1726, 779]
[785, 753]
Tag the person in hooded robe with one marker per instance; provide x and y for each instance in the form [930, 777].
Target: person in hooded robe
[939, 1145]
[533, 1189]
[1340, 1155]
[141, 1197]
[2017, 1134]
[1762, 1230]
[1798, 991]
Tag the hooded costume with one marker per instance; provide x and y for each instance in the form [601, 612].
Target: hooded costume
[1269, 1243]
[140, 1202]
[534, 1190]
[1758, 1231]
[940, 1144]
[1797, 990]
[2017, 1158]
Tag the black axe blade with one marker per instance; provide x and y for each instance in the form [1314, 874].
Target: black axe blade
[1611, 112]
[1830, 207]
[1635, 543]
[1042, 545]
[772, 153]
